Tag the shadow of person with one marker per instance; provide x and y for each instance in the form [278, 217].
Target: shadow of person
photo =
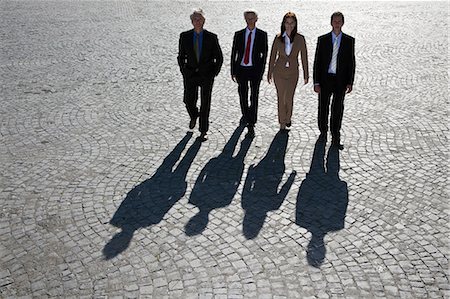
[322, 201]
[218, 182]
[147, 203]
[260, 194]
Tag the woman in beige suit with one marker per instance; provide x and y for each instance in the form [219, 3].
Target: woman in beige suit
[283, 66]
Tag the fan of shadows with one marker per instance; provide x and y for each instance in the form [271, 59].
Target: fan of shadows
[147, 203]
[322, 201]
[218, 182]
[260, 194]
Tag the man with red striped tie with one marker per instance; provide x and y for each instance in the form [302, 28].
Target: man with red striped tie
[248, 61]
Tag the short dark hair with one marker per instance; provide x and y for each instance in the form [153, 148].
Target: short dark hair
[337, 14]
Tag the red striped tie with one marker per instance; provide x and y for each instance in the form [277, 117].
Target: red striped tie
[247, 49]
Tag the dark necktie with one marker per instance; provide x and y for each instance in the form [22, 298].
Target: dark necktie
[247, 49]
[197, 47]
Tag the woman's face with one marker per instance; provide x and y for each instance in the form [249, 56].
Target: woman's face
[289, 24]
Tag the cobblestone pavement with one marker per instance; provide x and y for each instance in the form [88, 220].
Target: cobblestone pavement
[105, 194]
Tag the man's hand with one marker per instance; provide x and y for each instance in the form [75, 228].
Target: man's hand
[317, 88]
[349, 88]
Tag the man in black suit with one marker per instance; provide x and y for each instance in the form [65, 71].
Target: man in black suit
[200, 59]
[334, 72]
[248, 60]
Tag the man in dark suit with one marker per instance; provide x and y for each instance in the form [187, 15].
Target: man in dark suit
[200, 59]
[248, 60]
[334, 72]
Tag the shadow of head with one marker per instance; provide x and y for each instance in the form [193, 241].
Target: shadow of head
[252, 223]
[197, 224]
[118, 243]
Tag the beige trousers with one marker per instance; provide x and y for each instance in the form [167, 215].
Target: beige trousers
[285, 85]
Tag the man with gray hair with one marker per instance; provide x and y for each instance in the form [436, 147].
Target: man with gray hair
[200, 59]
[248, 61]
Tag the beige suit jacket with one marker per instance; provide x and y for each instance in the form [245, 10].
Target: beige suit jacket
[278, 57]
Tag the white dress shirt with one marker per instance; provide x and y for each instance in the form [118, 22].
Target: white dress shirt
[287, 46]
[334, 38]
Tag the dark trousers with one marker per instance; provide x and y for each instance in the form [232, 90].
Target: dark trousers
[246, 76]
[337, 107]
[191, 91]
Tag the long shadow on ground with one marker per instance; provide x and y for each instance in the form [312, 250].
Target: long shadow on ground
[218, 182]
[322, 201]
[260, 194]
[147, 203]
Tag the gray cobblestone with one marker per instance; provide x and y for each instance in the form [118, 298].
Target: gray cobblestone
[92, 124]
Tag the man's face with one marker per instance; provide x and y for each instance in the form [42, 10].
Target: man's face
[337, 23]
[250, 19]
[197, 22]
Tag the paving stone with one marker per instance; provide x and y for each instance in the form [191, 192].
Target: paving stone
[99, 176]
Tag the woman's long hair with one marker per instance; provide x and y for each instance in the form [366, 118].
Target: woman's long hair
[283, 27]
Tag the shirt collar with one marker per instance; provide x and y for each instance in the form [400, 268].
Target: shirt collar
[286, 37]
[334, 36]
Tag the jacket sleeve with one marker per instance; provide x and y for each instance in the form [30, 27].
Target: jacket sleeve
[233, 56]
[273, 55]
[304, 57]
[181, 58]
[317, 63]
[265, 50]
[218, 56]
[352, 62]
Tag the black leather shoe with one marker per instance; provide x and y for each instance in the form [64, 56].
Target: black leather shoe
[192, 123]
[203, 136]
[337, 143]
[289, 124]
[251, 132]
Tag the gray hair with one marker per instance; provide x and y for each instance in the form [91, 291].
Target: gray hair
[197, 11]
[250, 11]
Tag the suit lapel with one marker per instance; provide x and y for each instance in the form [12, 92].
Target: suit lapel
[341, 46]
[329, 43]
[190, 43]
[204, 42]
[243, 42]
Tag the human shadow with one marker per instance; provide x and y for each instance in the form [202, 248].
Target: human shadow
[260, 194]
[218, 182]
[147, 203]
[322, 201]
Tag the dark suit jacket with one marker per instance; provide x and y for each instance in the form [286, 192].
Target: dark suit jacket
[345, 67]
[259, 54]
[211, 57]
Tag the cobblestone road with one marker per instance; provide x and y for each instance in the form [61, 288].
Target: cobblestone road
[104, 193]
